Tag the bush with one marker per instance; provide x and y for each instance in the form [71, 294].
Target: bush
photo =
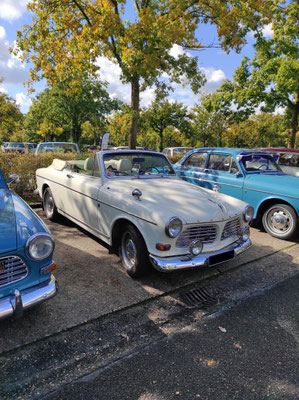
[25, 165]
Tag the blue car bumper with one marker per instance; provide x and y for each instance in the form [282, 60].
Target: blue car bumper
[14, 305]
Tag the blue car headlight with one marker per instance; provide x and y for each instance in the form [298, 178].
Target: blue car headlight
[40, 246]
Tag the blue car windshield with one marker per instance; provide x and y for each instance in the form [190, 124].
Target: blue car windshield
[259, 163]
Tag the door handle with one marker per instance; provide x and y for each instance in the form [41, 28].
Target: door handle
[69, 176]
[216, 188]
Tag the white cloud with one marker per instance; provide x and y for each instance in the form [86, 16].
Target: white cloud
[23, 100]
[267, 30]
[177, 51]
[12, 9]
[214, 77]
[12, 70]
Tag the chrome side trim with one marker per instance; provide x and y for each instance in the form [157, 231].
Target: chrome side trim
[14, 305]
[184, 262]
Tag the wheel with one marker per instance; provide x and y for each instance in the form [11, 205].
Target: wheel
[280, 220]
[49, 205]
[133, 253]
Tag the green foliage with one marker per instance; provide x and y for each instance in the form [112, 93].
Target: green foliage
[67, 37]
[61, 113]
[271, 78]
[25, 166]
[163, 114]
[11, 118]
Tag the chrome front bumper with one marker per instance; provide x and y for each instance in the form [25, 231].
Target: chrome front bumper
[203, 260]
[14, 305]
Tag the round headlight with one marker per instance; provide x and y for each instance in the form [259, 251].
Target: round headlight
[195, 247]
[174, 227]
[248, 213]
[40, 246]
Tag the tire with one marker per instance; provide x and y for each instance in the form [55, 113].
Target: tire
[133, 253]
[49, 205]
[281, 221]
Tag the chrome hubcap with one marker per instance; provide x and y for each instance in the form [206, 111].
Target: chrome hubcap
[279, 220]
[49, 204]
[129, 251]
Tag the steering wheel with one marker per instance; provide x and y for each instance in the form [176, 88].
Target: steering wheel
[263, 167]
[150, 168]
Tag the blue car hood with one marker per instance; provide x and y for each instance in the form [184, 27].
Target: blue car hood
[8, 233]
[17, 222]
[282, 184]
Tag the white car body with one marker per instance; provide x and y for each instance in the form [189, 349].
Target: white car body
[103, 202]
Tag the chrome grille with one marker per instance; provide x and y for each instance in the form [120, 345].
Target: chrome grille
[12, 269]
[231, 228]
[204, 233]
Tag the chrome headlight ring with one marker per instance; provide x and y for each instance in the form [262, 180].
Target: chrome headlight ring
[248, 213]
[40, 246]
[173, 227]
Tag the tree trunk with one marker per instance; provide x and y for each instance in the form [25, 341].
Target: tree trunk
[161, 140]
[294, 125]
[135, 91]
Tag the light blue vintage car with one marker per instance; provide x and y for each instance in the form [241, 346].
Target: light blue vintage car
[26, 249]
[252, 176]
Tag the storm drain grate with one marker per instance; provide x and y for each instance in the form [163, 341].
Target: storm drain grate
[200, 297]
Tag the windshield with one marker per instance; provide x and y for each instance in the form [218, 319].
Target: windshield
[57, 147]
[259, 163]
[136, 164]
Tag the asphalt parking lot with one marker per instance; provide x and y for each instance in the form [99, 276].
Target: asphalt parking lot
[92, 282]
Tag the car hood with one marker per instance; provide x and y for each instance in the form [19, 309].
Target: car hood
[282, 184]
[17, 222]
[174, 197]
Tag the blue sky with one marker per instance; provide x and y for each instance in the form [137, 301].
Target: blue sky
[215, 63]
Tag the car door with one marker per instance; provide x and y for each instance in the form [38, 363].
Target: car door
[223, 175]
[83, 182]
[193, 168]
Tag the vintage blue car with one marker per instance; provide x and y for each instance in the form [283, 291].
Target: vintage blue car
[26, 249]
[252, 176]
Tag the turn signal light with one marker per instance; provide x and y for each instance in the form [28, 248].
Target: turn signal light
[48, 269]
[162, 247]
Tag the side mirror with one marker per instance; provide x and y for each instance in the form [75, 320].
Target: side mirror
[13, 178]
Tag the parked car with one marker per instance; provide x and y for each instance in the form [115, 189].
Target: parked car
[288, 159]
[134, 202]
[3, 146]
[174, 151]
[26, 249]
[24, 147]
[249, 175]
[57, 147]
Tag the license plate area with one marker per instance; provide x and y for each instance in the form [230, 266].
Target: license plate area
[219, 258]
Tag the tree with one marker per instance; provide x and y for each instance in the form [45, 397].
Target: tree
[271, 78]
[67, 36]
[210, 119]
[59, 108]
[11, 118]
[261, 130]
[161, 114]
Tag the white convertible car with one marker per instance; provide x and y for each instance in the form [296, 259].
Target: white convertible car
[134, 201]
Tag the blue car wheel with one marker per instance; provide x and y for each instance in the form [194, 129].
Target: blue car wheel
[280, 220]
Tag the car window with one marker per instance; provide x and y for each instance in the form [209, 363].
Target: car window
[259, 163]
[196, 160]
[289, 160]
[220, 162]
